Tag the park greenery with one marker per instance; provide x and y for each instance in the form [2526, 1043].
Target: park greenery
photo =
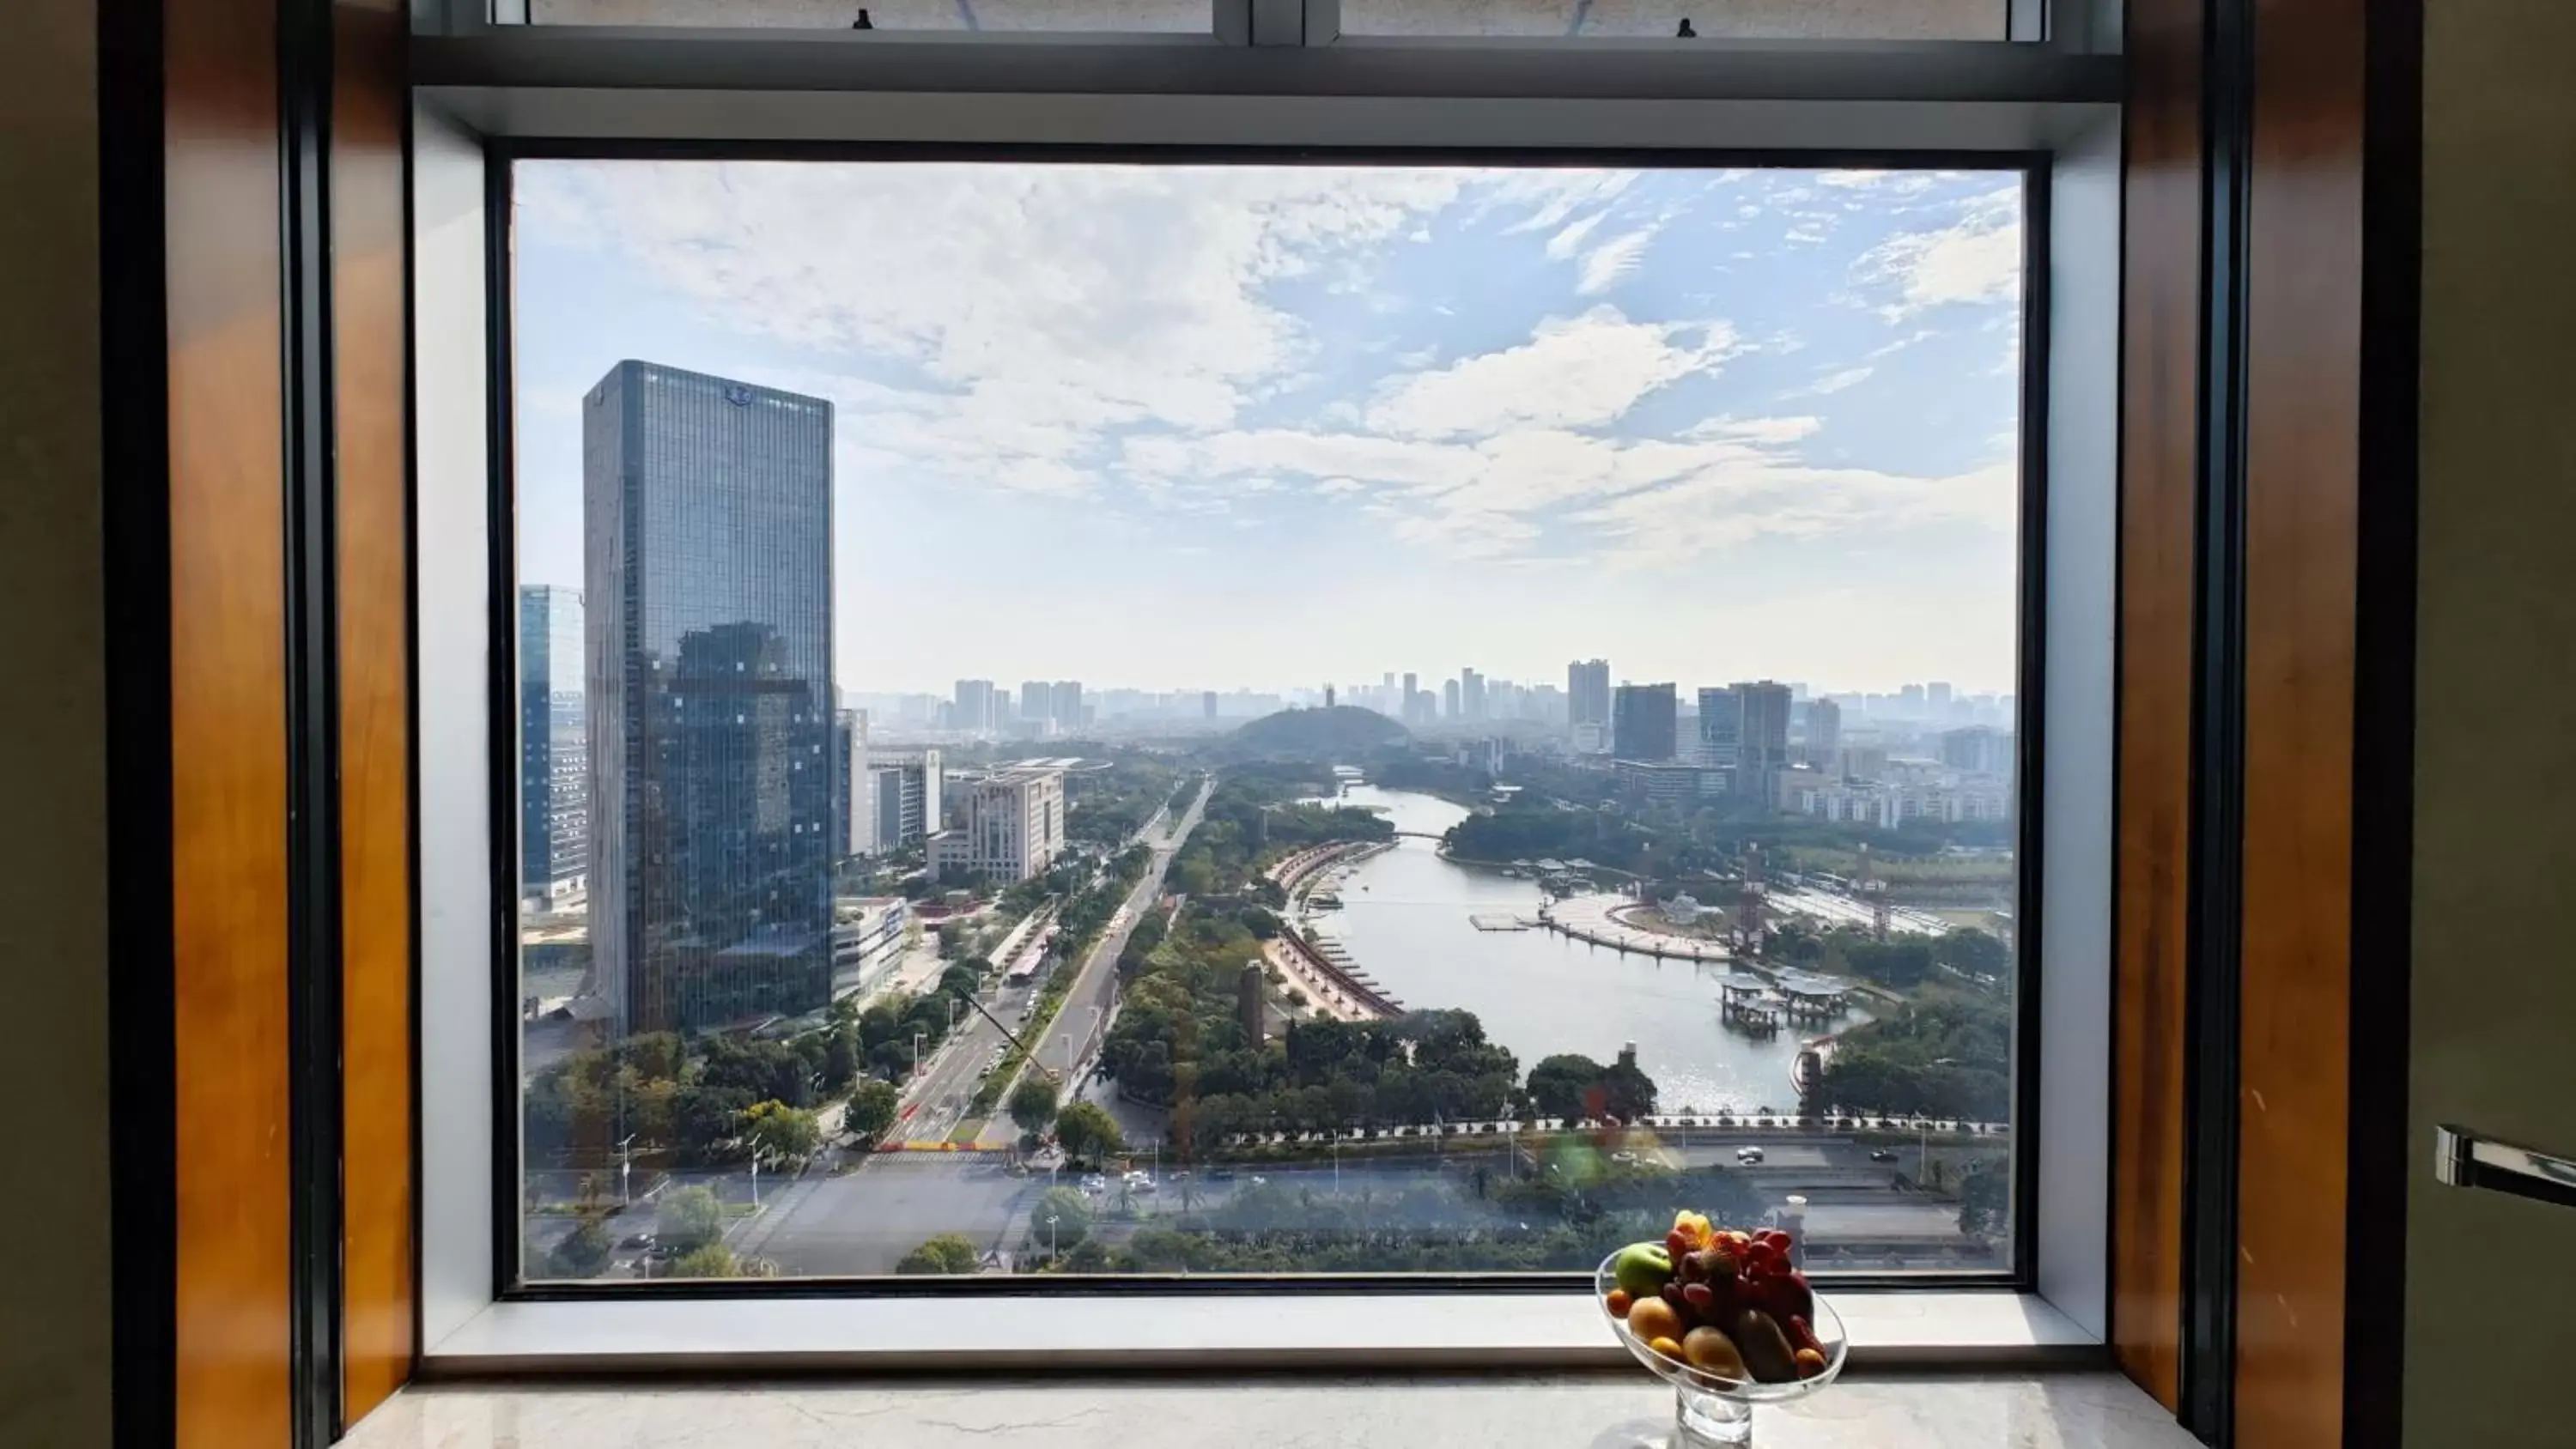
[946, 1253]
[1941, 1058]
[1255, 815]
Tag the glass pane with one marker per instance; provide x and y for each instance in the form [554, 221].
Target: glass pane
[1063, 15]
[1759, 19]
[1087, 718]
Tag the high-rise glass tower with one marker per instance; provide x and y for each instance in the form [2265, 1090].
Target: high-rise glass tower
[1643, 718]
[1762, 741]
[1721, 728]
[1587, 692]
[707, 522]
[554, 757]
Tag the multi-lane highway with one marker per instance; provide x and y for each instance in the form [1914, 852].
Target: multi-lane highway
[938, 1102]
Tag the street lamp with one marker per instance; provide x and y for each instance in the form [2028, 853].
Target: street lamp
[626, 1171]
[1050, 1222]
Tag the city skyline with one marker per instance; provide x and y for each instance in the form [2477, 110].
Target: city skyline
[1742, 424]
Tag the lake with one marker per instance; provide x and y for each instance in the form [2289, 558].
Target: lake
[1405, 920]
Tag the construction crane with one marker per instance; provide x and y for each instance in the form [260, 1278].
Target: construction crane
[1749, 942]
[1882, 911]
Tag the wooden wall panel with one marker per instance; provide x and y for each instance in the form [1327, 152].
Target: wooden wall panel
[368, 238]
[228, 725]
[2160, 375]
[2303, 470]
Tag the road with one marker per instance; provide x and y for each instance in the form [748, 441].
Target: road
[939, 1101]
[864, 1220]
[1095, 991]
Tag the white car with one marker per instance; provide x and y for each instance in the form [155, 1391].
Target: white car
[1748, 1156]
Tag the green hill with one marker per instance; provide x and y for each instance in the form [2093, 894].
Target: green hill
[1340, 732]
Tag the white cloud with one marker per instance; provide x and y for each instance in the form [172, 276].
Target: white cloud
[1834, 382]
[1897, 183]
[1569, 241]
[1574, 372]
[1975, 259]
[1605, 264]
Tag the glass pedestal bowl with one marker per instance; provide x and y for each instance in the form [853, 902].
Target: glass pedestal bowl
[1711, 1411]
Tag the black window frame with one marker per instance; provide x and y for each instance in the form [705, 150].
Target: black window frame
[509, 1285]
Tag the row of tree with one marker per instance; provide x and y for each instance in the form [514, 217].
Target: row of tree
[1180, 1041]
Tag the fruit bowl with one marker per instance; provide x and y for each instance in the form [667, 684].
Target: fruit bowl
[1709, 1409]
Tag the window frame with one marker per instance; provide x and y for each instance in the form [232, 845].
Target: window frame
[505, 130]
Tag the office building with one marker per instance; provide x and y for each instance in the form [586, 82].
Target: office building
[1936, 699]
[1413, 700]
[1762, 738]
[1824, 732]
[1587, 692]
[972, 706]
[1721, 728]
[1036, 702]
[1643, 718]
[1449, 700]
[1667, 782]
[1471, 694]
[853, 783]
[1006, 826]
[554, 751]
[906, 796]
[707, 509]
[1978, 750]
[1064, 704]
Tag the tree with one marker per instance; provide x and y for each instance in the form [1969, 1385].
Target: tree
[583, 1252]
[780, 1135]
[715, 1260]
[1982, 1205]
[1072, 1214]
[871, 1110]
[1971, 952]
[1087, 1132]
[840, 1057]
[1559, 1085]
[946, 1253]
[1033, 1103]
[688, 1219]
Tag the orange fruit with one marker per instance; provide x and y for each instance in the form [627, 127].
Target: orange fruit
[1653, 1318]
[1666, 1347]
[1617, 1302]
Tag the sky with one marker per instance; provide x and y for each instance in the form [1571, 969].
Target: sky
[1264, 427]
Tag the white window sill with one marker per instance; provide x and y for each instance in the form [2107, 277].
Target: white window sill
[1628, 1410]
[1273, 1331]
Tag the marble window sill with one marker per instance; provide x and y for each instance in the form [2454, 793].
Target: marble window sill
[1372, 1333]
[2068, 1410]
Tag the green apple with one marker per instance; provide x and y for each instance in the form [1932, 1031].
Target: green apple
[1643, 1269]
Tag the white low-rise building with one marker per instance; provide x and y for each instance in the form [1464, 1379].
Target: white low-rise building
[1007, 826]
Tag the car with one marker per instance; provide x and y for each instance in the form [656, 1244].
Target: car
[1221, 1174]
[1259, 1181]
[1095, 1183]
[1748, 1156]
[1882, 1154]
[1628, 1159]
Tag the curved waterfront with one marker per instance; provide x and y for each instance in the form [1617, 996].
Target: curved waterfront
[1405, 919]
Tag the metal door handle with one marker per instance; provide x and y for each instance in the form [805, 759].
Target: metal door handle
[2463, 1159]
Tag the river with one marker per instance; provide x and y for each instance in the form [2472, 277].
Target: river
[1405, 920]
